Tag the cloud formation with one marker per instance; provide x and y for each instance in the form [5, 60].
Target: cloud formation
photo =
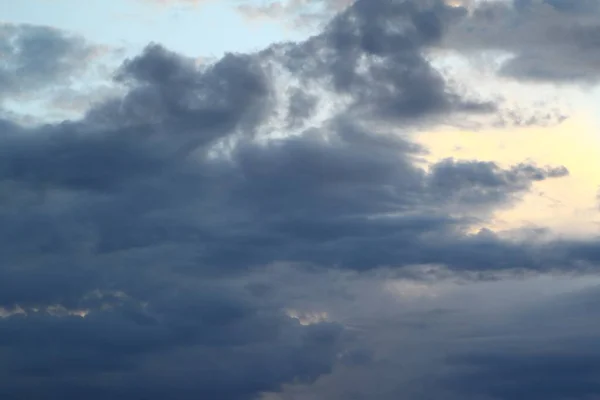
[546, 40]
[145, 247]
[529, 337]
[35, 57]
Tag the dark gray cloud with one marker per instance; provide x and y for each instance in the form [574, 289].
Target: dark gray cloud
[547, 40]
[531, 337]
[547, 352]
[233, 348]
[362, 53]
[533, 376]
[155, 214]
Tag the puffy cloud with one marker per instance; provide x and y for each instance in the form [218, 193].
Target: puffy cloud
[135, 240]
[35, 57]
[50, 75]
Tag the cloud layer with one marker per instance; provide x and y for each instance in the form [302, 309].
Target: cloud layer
[216, 231]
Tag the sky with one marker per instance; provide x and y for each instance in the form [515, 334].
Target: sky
[300, 199]
[208, 29]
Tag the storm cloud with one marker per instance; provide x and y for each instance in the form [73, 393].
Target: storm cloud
[144, 246]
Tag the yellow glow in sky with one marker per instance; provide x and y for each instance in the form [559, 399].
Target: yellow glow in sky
[567, 205]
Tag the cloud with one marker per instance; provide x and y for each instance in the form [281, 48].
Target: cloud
[564, 365]
[51, 75]
[546, 41]
[302, 14]
[140, 243]
[256, 350]
[35, 57]
[530, 337]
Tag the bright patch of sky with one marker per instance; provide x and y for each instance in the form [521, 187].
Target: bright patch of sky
[199, 30]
